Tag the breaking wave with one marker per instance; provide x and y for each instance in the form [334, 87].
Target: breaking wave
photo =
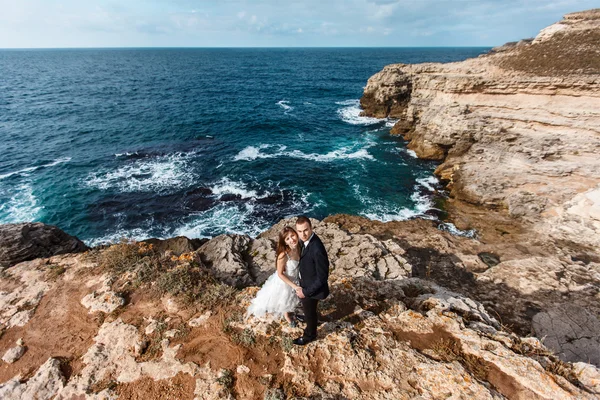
[351, 114]
[252, 153]
[145, 175]
[26, 171]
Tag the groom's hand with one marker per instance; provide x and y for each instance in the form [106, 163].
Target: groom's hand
[299, 292]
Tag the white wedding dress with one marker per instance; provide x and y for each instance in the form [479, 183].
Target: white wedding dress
[276, 297]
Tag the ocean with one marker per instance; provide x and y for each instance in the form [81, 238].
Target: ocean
[137, 143]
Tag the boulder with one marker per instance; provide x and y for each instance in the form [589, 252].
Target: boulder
[44, 385]
[177, 245]
[227, 256]
[14, 353]
[31, 240]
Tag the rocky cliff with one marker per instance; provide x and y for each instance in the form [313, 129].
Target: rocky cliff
[517, 129]
[517, 132]
[162, 321]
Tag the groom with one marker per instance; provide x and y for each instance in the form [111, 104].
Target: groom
[314, 271]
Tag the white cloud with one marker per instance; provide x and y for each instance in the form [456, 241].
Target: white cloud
[35, 23]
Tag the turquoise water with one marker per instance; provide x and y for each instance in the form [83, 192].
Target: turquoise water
[141, 143]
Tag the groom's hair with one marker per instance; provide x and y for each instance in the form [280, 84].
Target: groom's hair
[303, 220]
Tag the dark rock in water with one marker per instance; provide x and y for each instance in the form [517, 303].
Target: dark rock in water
[230, 197]
[28, 241]
[199, 191]
[490, 259]
[178, 245]
[436, 213]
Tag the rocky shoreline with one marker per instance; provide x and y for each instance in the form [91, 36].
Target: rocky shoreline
[517, 132]
[415, 312]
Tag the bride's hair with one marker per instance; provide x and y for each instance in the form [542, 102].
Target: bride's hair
[281, 245]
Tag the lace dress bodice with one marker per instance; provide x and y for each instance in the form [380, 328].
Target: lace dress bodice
[292, 270]
[276, 297]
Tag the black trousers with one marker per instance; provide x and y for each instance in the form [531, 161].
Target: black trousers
[310, 315]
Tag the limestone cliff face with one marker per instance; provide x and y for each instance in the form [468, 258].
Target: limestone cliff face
[517, 129]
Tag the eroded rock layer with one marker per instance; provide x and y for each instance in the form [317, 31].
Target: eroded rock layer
[517, 132]
[517, 129]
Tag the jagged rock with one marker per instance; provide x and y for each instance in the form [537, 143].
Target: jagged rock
[105, 302]
[199, 321]
[489, 259]
[530, 275]
[262, 253]
[589, 376]
[17, 306]
[444, 300]
[177, 245]
[523, 203]
[207, 386]
[27, 241]
[152, 326]
[242, 369]
[15, 353]
[45, 384]
[227, 256]
[21, 318]
[571, 331]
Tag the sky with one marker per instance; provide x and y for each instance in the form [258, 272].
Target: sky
[276, 23]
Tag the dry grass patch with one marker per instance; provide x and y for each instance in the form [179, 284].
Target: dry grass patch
[564, 54]
[183, 277]
[449, 350]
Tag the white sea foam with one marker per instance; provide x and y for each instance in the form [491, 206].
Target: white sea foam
[390, 122]
[227, 186]
[410, 153]
[285, 105]
[120, 234]
[429, 183]
[126, 154]
[351, 113]
[223, 218]
[422, 202]
[252, 153]
[23, 206]
[340, 154]
[145, 175]
[25, 171]
[450, 227]
[376, 210]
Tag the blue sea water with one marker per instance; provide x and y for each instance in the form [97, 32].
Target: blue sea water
[111, 143]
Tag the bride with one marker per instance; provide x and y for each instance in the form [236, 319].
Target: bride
[278, 294]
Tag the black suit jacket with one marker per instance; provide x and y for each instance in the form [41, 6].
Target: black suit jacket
[314, 270]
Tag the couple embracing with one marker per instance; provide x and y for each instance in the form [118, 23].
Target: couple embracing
[302, 273]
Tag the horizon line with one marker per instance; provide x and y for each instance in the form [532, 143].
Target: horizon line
[238, 47]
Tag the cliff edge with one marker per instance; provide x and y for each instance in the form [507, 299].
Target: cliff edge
[159, 320]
